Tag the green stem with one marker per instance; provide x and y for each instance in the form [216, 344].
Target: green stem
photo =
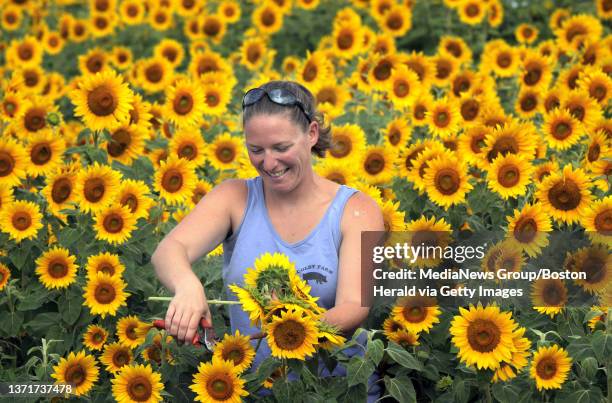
[210, 301]
[487, 393]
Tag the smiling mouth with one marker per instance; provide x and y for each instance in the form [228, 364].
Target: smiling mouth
[277, 174]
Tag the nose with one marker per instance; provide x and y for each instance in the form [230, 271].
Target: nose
[269, 162]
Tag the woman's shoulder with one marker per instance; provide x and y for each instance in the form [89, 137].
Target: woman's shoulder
[231, 187]
[362, 213]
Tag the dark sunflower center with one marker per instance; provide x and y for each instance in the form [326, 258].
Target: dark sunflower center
[268, 18]
[533, 76]
[130, 332]
[121, 358]
[454, 49]
[483, 335]
[94, 189]
[225, 154]
[337, 177]
[341, 147]
[75, 374]
[61, 190]
[289, 335]
[154, 73]
[58, 269]
[211, 27]
[562, 130]
[113, 223]
[253, 54]
[101, 101]
[140, 389]
[34, 119]
[7, 163]
[419, 111]
[472, 10]
[106, 268]
[131, 201]
[132, 10]
[528, 103]
[95, 63]
[170, 54]
[212, 100]
[565, 195]
[598, 92]
[183, 104]
[310, 72]
[504, 60]
[382, 71]
[327, 95]
[578, 112]
[447, 181]
[120, 141]
[603, 222]
[503, 145]
[31, 78]
[546, 368]
[443, 69]
[236, 354]
[442, 119]
[414, 314]
[469, 110]
[220, 386]
[172, 181]
[394, 136]
[395, 22]
[345, 40]
[21, 220]
[552, 294]
[595, 269]
[508, 176]
[160, 17]
[374, 164]
[97, 337]
[105, 293]
[408, 162]
[25, 52]
[525, 229]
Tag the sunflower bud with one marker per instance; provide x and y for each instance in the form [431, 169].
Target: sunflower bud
[53, 119]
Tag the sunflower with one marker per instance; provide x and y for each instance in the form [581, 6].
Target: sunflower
[216, 98]
[315, 70]
[94, 337]
[582, 107]
[133, 194]
[422, 65]
[105, 294]
[550, 367]
[471, 12]
[536, 72]
[397, 21]
[207, 62]
[254, 53]
[416, 314]
[103, 100]
[5, 275]
[78, 369]
[376, 164]
[56, 268]
[201, 189]
[446, 68]
[597, 221]
[13, 162]
[347, 40]
[153, 352]
[137, 383]
[331, 98]
[528, 229]
[101, 25]
[337, 171]
[249, 304]
[420, 106]
[577, 30]
[509, 138]
[121, 57]
[548, 296]
[526, 33]
[59, 191]
[94, 61]
[506, 370]
[96, 187]
[11, 17]
[561, 129]
[229, 10]
[596, 262]
[292, 335]
[11, 105]
[558, 17]
[528, 103]
[116, 356]
[455, 47]
[79, 31]
[483, 336]
[509, 175]
[218, 381]
[509, 258]
[21, 220]
[185, 103]
[420, 162]
[126, 331]
[24, 52]
[35, 115]
[443, 117]
[267, 18]
[236, 349]
[132, 12]
[347, 142]
[114, 224]
[53, 43]
[565, 196]
[601, 171]
[599, 86]
[154, 74]
[403, 87]
[224, 151]
[446, 180]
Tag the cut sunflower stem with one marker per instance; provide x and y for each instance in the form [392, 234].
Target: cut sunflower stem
[210, 301]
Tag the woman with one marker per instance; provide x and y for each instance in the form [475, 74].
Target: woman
[288, 208]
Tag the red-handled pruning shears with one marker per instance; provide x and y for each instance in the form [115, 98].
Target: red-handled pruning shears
[205, 335]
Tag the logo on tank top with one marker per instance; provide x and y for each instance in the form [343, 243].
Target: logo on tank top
[314, 272]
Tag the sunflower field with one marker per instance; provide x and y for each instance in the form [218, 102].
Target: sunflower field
[456, 116]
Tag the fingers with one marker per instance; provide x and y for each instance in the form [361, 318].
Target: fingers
[191, 329]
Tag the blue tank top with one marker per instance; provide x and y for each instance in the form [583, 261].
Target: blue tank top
[315, 257]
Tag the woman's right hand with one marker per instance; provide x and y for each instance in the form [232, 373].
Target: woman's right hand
[185, 310]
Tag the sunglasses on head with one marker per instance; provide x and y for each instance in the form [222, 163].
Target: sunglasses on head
[279, 96]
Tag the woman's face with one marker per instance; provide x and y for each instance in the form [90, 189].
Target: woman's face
[279, 150]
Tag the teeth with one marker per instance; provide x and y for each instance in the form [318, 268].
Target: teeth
[277, 174]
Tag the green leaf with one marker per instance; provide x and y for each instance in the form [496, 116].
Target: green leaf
[400, 388]
[356, 393]
[19, 256]
[72, 308]
[589, 367]
[505, 392]
[461, 391]
[42, 322]
[359, 370]
[580, 349]
[602, 345]
[591, 395]
[35, 296]
[376, 350]
[10, 323]
[286, 391]
[403, 357]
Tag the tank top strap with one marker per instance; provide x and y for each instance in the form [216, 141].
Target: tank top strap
[337, 210]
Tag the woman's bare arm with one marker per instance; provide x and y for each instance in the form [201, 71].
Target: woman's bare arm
[197, 234]
[360, 214]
